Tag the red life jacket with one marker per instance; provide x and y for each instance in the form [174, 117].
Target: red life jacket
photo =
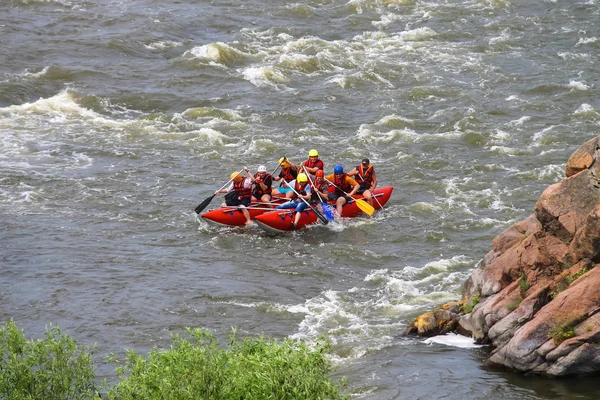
[299, 190]
[322, 187]
[311, 164]
[242, 192]
[340, 182]
[365, 176]
[267, 180]
[288, 174]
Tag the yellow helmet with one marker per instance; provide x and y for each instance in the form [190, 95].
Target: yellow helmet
[313, 153]
[283, 161]
[302, 178]
[236, 176]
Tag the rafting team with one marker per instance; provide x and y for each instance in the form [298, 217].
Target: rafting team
[306, 181]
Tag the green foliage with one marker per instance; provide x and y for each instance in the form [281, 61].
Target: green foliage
[523, 285]
[52, 368]
[251, 369]
[515, 304]
[468, 305]
[566, 281]
[561, 333]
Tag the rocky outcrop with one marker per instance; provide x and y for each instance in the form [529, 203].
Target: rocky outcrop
[535, 297]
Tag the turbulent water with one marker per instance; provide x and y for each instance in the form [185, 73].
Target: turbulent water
[118, 117]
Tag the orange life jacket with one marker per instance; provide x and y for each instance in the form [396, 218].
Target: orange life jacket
[365, 176]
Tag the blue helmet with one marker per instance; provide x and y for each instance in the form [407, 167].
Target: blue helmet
[338, 169]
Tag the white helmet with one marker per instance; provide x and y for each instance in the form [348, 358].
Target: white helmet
[262, 168]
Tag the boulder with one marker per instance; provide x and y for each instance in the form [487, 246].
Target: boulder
[535, 296]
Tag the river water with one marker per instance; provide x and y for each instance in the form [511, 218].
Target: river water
[118, 117]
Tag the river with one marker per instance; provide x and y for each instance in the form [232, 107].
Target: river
[118, 117]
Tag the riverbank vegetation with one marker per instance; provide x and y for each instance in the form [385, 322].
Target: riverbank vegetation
[196, 366]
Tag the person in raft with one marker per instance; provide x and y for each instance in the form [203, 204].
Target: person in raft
[288, 173]
[301, 187]
[239, 193]
[320, 188]
[365, 175]
[313, 164]
[262, 185]
[341, 185]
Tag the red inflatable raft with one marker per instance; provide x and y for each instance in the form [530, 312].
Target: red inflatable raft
[281, 220]
[233, 216]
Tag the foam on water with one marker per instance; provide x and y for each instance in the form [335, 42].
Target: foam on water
[576, 85]
[162, 45]
[453, 340]
[219, 53]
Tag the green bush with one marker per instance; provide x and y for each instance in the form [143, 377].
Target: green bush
[561, 333]
[52, 368]
[199, 368]
[470, 304]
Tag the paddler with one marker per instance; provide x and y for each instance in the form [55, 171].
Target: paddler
[365, 175]
[342, 184]
[288, 173]
[262, 185]
[239, 193]
[313, 164]
[303, 189]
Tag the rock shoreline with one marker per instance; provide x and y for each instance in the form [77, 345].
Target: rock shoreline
[535, 297]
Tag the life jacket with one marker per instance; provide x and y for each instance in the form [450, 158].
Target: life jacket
[323, 186]
[267, 180]
[340, 182]
[365, 176]
[316, 163]
[288, 174]
[299, 190]
[242, 192]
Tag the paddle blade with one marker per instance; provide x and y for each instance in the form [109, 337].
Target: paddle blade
[319, 215]
[327, 211]
[204, 204]
[365, 207]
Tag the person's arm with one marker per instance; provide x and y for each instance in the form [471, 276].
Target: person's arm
[374, 183]
[249, 174]
[229, 189]
[308, 194]
[353, 172]
[353, 183]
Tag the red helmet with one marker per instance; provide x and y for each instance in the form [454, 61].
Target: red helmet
[319, 173]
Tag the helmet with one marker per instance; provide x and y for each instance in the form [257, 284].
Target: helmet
[236, 176]
[262, 168]
[302, 177]
[313, 153]
[283, 161]
[319, 173]
[338, 169]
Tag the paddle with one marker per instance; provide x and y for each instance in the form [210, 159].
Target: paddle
[326, 209]
[317, 213]
[363, 205]
[206, 202]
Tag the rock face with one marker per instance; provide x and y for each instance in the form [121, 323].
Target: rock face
[536, 295]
